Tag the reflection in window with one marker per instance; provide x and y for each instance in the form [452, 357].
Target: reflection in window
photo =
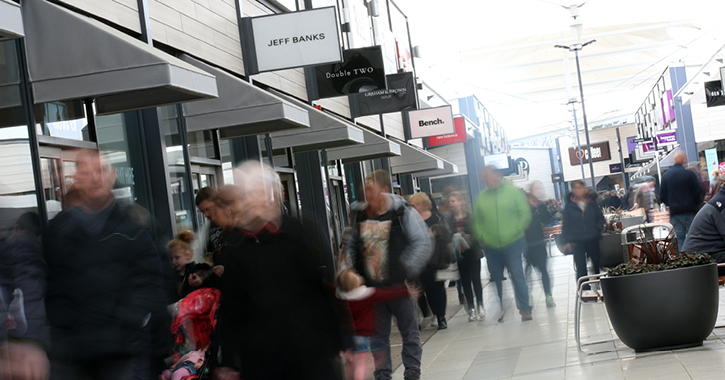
[201, 144]
[180, 189]
[17, 185]
[65, 119]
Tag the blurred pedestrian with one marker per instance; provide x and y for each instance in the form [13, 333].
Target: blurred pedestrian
[278, 319]
[501, 218]
[434, 290]
[582, 228]
[681, 191]
[390, 244]
[469, 255]
[536, 254]
[23, 332]
[361, 301]
[645, 199]
[104, 281]
[210, 236]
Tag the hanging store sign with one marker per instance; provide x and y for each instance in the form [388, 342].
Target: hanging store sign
[712, 162]
[600, 152]
[615, 168]
[361, 70]
[456, 137]
[631, 144]
[289, 40]
[713, 94]
[399, 96]
[667, 138]
[430, 122]
[500, 161]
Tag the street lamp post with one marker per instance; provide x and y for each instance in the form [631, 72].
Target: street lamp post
[575, 48]
[578, 142]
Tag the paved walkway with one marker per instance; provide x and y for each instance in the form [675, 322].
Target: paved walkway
[545, 347]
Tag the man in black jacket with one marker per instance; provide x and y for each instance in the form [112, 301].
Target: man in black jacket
[681, 191]
[104, 278]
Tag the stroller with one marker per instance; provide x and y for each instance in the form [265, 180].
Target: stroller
[193, 327]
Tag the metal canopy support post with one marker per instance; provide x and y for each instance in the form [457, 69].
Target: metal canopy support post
[32, 137]
[683, 115]
[471, 148]
[314, 206]
[578, 141]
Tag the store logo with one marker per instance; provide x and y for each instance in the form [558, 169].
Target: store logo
[426, 123]
[296, 40]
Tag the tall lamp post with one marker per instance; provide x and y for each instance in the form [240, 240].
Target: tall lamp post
[578, 142]
[575, 48]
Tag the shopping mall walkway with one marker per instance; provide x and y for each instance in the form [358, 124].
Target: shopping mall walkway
[545, 347]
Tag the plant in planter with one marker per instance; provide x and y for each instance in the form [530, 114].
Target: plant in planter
[662, 298]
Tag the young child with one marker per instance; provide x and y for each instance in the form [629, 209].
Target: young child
[180, 253]
[188, 365]
[361, 301]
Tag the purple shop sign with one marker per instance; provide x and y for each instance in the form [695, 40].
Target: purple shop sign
[667, 138]
[670, 105]
[631, 145]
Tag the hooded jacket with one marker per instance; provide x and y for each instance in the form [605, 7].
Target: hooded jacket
[390, 248]
[578, 225]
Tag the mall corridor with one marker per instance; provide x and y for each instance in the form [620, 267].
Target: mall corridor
[545, 348]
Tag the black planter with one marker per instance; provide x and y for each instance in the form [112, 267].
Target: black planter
[663, 310]
[610, 250]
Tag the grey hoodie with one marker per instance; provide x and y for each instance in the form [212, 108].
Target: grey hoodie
[391, 248]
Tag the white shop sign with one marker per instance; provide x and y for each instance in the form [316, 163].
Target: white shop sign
[500, 161]
[431, 122]
[289, 40]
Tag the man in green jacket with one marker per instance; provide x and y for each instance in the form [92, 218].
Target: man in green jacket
[501, 218]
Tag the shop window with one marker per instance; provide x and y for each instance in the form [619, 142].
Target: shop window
[65, 119]
[202, 144]
[181, 191]
[17, 183]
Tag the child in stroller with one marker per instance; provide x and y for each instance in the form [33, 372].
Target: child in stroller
[193, 325]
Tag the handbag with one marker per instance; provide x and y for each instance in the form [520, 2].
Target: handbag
[450, 273]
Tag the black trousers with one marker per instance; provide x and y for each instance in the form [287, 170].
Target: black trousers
[105, 368]
[470, 270]
[582, 250]
[536, 257]
[435, 293]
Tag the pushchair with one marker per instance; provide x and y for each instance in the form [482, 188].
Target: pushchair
[193, 327]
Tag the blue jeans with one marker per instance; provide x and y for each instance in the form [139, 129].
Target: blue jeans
[407, 316]
[681, 223]
[510, 256]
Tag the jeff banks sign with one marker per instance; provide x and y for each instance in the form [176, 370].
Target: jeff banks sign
[288, 40]
[600, 152]
[431, 122]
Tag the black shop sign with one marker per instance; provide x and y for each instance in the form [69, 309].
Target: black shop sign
[361, 70]
[399, 96]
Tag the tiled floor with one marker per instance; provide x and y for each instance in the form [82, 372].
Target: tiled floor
[545, 348]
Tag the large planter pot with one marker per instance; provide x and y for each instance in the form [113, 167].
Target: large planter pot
[663, 310]
[610, 250]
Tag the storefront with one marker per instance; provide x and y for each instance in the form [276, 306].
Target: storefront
[177, 115]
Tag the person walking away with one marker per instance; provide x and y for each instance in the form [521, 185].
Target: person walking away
[682, 192]
[536, 244]
[645, 199]
[469, 260]
[435, 291]
[390, 244]
[501, 218]
[104, 281]
[361, 301]
[582, 228]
